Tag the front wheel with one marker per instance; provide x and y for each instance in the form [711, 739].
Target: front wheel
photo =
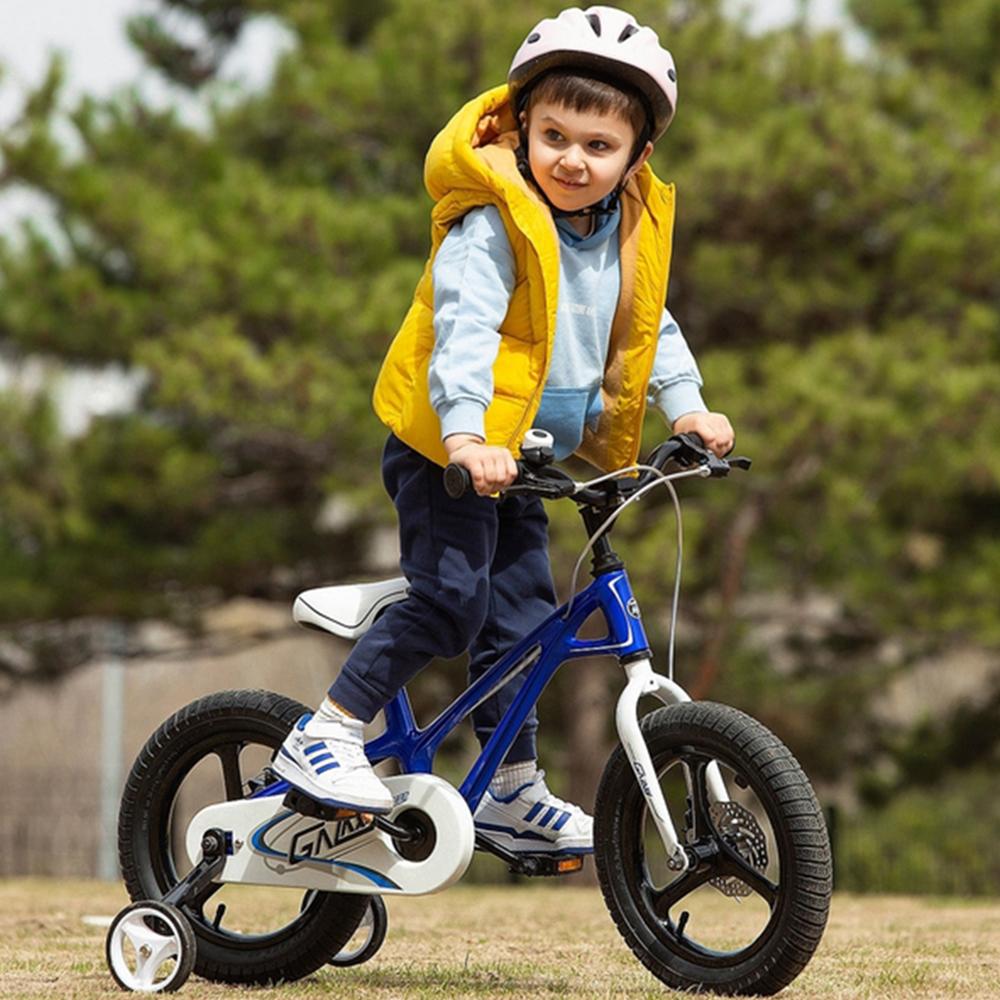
[766, 848]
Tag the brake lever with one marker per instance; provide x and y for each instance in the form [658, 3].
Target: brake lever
[717, 467]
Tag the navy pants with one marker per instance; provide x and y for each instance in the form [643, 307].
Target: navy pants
[479, 579]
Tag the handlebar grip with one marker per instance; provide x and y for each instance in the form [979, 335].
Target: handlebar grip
[457, 481]
[693, 437]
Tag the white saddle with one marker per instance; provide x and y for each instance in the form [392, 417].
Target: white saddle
[348, 610]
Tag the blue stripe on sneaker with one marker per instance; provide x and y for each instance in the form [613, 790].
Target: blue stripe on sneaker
[531, 813]
[320, 757]
[547, 818]
[561, 822]
[315, 747]
[326, 767]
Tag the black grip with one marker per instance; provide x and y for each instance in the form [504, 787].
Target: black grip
[693, 438]
[457, 481]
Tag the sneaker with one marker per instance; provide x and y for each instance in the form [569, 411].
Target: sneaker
[531, 820]
[325, 759]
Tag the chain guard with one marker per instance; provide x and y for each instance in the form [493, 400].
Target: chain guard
[738, 827]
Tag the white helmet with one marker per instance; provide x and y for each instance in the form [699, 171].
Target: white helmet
[607, 41]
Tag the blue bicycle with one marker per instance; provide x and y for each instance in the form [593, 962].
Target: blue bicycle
[698, 804]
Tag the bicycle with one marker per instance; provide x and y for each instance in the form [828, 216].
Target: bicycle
[698, 799]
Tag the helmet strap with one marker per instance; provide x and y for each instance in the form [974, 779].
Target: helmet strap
[606, 206]
[609, 203]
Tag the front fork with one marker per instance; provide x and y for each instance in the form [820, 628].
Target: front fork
[642, 681]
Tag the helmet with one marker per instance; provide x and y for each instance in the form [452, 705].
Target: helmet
[608, 41]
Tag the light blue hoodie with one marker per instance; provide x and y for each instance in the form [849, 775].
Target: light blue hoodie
[473, 281]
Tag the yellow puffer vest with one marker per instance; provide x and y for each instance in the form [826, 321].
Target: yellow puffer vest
[471, 163]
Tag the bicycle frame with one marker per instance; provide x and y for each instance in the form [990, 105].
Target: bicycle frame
[541, 653]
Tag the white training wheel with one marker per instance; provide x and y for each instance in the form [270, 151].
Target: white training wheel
[150, 948]
[368, 936]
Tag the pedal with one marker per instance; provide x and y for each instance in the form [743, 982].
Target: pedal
[532, 864]
[547, 864]
[301, 803]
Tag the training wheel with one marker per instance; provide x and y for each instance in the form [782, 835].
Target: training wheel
[367, 938]
[150, 948]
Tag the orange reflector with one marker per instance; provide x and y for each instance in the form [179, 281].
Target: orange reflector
[348, 813]
[569, 865]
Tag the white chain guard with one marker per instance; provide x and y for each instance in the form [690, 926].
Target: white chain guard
[272, 845]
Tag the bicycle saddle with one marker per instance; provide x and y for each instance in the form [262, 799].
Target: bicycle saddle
[347, 610]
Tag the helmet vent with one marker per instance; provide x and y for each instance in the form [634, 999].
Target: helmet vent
[533, 37]
[627, 32]
[595, 23]
[672, 75]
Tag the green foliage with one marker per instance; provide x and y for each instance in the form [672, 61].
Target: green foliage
[937, 840]
[961, 37]
[835, 268]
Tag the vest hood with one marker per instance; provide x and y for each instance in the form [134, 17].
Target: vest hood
[473, 154]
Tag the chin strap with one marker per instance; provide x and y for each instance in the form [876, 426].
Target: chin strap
[606, 206]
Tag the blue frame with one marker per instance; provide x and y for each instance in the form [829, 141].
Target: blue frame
[540, 652]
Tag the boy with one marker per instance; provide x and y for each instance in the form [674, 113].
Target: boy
[541, 306]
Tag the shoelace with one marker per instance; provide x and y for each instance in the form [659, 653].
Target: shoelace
[554, 801]
[348, 752]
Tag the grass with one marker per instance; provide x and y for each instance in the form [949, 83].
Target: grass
[532, 941]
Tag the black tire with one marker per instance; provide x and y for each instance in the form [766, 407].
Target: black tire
[776, 852]
[158, 918]
[225, 726]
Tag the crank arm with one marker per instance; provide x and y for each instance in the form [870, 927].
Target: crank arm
[213, 860]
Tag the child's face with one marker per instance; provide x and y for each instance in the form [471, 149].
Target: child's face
[578, 157]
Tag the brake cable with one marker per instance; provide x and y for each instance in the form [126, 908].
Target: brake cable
[662, 479]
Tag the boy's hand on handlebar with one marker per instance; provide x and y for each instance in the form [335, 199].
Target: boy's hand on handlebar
[713, 428]
[492, 468]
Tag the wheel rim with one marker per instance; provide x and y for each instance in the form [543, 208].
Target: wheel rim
[144, 950]
[682, 910]
[237, 750]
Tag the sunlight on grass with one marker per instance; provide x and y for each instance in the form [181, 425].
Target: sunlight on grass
[528, 941]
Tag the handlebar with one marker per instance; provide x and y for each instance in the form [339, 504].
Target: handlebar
[538, 476]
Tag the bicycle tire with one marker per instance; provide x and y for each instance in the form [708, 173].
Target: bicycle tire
[691, 734]
[223, 723]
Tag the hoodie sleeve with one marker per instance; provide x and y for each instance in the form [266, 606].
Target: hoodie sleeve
[675, 385]
[474, 277]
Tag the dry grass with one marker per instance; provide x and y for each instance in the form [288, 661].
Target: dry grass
[531, 942]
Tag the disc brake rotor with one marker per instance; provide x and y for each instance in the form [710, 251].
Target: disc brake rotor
[738, 828]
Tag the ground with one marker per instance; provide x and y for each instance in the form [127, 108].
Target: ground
[530, 941]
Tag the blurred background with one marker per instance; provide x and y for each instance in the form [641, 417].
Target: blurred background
[212, 219]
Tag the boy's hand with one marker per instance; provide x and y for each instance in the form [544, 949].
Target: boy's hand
[713, 428]
[492, 468]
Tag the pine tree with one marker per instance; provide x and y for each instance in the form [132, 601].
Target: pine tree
[835, 264]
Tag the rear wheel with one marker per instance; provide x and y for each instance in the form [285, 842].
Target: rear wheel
[767, 848]
[218, 749]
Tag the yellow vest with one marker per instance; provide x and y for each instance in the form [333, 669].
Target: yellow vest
[471, 163]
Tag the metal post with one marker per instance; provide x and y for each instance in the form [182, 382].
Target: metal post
[112, 749]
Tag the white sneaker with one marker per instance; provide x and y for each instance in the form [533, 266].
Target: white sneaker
[326, 760]
[533, 821]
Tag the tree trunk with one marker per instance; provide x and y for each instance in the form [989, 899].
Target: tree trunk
[588, 745]
[734, 559]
